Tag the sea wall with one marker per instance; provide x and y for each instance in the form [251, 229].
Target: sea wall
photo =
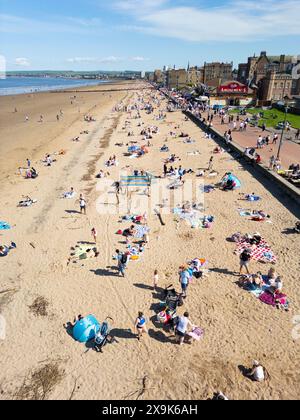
[287, 188]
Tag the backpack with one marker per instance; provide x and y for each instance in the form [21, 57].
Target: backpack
[124, 259]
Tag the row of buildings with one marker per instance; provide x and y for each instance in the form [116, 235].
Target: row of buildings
[263, 79]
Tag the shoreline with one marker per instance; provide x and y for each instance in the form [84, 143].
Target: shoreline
[82, 88]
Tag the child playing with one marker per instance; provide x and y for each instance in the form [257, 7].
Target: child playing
[94, 235]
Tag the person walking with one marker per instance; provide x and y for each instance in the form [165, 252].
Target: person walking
[122, 262]
[245, 258]
[184, 279]
[140, 325]
[82, 204]
[210, 164]
[94, 235]
[155, 279]
[272, 162]
[182, 327]
[117, 190]
[297, 135]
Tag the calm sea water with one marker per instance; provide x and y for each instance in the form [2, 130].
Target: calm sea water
[19, 85]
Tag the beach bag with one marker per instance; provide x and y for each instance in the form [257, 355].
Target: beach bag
[236, 237]
[124, 259]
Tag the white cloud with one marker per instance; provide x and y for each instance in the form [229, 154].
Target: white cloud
[237, 20]
[22, 62]
[111, 59]
[82, 60]
[140, 59]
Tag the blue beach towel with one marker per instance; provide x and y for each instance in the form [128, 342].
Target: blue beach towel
[4, 226]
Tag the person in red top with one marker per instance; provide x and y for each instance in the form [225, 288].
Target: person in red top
[258, 159]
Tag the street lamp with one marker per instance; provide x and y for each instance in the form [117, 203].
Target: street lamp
[282, 132]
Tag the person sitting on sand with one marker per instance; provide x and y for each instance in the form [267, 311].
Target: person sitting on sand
[4, 250]
[31, 174]
[26, 201]
[252, 282]
[76, 319]
[276, 285]
[129, 233]
[69, 194]
[258, 373]
[101, 174]
[297, 227]
[272, 274]
[219, 396]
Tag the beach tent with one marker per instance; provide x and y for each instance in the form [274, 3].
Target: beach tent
[86, 329]
[233, 178]
[237, 181]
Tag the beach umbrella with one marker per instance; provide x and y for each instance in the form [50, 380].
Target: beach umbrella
[86, 329]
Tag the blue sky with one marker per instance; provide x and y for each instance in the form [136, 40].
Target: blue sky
[143, 34]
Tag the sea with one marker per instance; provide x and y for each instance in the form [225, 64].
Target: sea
[21, 85]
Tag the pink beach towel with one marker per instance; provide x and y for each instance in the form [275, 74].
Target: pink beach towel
[196, 334]
[261, 252]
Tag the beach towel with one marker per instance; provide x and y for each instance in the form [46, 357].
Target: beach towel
[208, 188]
[193, 217]
[197, 333]
[257, 291]
[141, 231]
[261, 252]
[4, 226]
[83, 251]
[245, 213]
[251, 197]
[270, 299]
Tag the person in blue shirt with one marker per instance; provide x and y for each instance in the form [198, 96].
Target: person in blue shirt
[184, 279]
[140, 325]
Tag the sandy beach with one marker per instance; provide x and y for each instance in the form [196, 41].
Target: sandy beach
[40, 291]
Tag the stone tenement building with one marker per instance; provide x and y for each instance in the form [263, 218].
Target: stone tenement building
[159, 77]
[258, 67]
[214, 74]
[275, 87]
[180, 78]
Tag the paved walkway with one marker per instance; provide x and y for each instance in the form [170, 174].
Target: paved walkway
[290, 151]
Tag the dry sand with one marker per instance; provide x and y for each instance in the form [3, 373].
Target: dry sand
[238, 327]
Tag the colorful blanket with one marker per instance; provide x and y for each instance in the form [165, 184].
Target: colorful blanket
[261, 252]
[270, 299]
[141, 231]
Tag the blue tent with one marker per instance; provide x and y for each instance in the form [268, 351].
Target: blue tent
[231, 177]
[236, 180]
[86, 329]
